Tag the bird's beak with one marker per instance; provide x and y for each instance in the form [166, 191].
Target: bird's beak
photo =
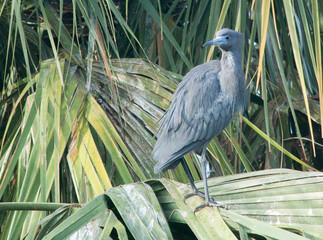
[215, 41]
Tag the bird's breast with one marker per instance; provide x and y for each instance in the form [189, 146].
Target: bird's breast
[229, 84]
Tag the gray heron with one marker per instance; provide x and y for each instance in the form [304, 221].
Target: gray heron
[203, 105]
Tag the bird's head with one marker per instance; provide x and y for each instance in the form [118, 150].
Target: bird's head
[226, 39]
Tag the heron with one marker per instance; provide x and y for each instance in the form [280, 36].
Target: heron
[202, 106]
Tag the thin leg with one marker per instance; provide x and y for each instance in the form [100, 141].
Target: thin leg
[190, 178]
[204, 162]
[208, 201]
[189, 175]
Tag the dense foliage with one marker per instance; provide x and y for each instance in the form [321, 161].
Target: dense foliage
[85, 82]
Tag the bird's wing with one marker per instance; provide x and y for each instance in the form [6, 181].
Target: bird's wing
[198, 113]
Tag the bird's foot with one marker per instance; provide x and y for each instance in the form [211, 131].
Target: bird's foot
[196, 193]
[210, 203]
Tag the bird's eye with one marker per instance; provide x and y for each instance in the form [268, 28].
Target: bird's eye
[227, 37]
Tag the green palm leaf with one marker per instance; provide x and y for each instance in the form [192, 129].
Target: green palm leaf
[82, 95]
[266, 204]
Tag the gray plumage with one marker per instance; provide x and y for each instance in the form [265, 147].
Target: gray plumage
[203, 104]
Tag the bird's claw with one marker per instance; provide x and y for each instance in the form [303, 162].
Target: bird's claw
[196, 193]
[210, 204]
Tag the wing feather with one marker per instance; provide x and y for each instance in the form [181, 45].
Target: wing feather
[198, 113]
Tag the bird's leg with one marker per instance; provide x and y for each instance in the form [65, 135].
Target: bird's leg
[206, 189]
[208, 201]
[190, 178]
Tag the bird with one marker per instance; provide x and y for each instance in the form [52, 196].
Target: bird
[202, 106]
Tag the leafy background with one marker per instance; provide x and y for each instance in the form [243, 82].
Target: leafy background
[85, 82]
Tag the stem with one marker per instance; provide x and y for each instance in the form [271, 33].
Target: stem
[32, 206]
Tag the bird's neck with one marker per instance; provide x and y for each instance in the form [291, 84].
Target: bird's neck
[231, 79]
[231, 60]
